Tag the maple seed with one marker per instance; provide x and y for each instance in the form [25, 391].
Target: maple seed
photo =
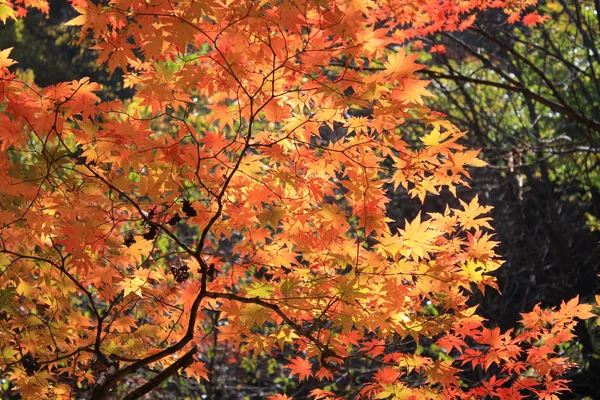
[187, 209]
[129, 240]
[29, 364]
[174, 220]
[151, 234]
[180, 274]
[152, 213]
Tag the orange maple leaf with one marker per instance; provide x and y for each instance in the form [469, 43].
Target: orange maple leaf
[301, 367]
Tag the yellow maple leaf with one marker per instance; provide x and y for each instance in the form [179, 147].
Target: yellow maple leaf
[418, 238]
[140, 250]
[259, 289]
[6, 12]
[402, 65]
[254, 314]
[435, 137]
[285, 335]
[132, 285]
[4, 60]
[469, 217]
[24, 288]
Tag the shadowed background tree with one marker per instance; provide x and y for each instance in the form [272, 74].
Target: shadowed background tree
[529, 94]
[50, 52]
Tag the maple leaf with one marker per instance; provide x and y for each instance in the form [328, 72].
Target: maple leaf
[92, 16]
[116, 51]
[254, 314]
[480, 245]
[334, 217]
[320, 394]
[224, 114]
[450, 342]
[6, 62]
[418, 238]
[132, 285]
[386, 375]
[468, 217]
[440, 48]
[278, 397]
[412, 90]
[6, 11]
[8, 354]
[24, 288]
[467, 23]
[285, 335]
[435, 137]
[258, 289]
[139, 250]
[460, 159]
[324, 374]
[402, 65]
[197, 371]
[534, 19]
[572, 308]
[301, 367]
[501, 347]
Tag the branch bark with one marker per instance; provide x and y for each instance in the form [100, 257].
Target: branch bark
[182, 363]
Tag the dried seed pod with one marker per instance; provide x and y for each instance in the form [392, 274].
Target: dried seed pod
[181, 273]
[29, 364]
[129, 240]
[151, 234]
[188, 209]
[174, 220]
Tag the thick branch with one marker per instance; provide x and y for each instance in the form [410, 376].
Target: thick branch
[183, 362]
[523, 59]
[554, 106]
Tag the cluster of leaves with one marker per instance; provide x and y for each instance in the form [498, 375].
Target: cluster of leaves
[265, 126]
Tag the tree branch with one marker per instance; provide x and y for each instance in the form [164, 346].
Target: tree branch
[554, 106]
[182, 363]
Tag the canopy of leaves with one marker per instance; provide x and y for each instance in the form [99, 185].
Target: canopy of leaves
[238, 202]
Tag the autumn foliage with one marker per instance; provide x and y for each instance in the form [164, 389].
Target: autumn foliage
[244, 189]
